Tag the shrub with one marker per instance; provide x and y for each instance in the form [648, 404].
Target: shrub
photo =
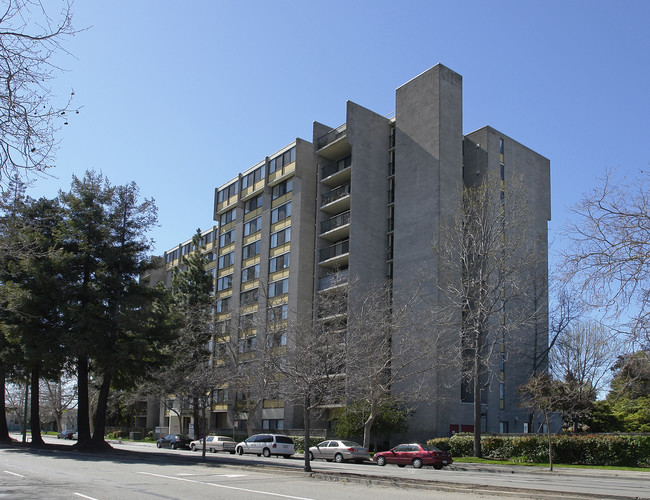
[299, 441]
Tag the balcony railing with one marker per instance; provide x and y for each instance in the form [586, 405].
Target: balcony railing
[340, 248]
[331, 136]
[334, 279]
[335, 194]
[334, 222]
[337, 166]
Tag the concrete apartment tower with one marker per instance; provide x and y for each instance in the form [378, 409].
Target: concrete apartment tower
[365, 203]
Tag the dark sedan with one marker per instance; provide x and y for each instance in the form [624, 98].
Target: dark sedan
[173, 441]
[66, 435]
[414, 454]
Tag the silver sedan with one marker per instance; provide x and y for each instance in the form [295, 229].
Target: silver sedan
[339, 451]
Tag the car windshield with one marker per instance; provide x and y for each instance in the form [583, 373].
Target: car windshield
[428, 447]
[351, 444]
[284, 439]
[226, 439]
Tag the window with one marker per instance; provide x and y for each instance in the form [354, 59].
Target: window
[171, 256]
[227, 217]
[210, 256]
[252, 226]
[248, 297]
[281, 237]
[273, 424]
[281, 213]
[278, 339]
[227, 238]
[250, 273]
[503, 427]
[223, 305]
[248, 321]
[251, 250]
[278, 313]
[224, 283]
[281, 189]
[226, 260]
[186, 249]
[206, 238]
[253, 204]
[283, 159]
[279, 287]
[279, 262]
[247, 345]
[227, 192]
[254, 177]
[221, 396]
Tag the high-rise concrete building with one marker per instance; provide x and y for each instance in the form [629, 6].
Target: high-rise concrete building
[366, 201]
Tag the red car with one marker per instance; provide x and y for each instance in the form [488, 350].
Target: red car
[414, 454]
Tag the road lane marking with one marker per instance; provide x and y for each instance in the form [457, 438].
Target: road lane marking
[84, 496]
[13, 474]
[226, 487]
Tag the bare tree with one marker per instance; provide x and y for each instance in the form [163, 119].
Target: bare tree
[544, 394]
[30, 36]
[381, 363]
[608, 257]
[582, 358]
[311, 370]
[57, 397]
[488, 260]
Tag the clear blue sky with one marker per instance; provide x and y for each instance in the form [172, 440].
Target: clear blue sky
[181, 96]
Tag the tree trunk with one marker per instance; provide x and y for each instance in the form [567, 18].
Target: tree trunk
[98, 441]
[35, 418]
[367, 425]
[550, 444]
[477, 406]
[4, 428]
[83, 414]
[306, 415]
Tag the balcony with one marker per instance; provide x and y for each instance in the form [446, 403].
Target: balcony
[337, 200]
[333, 144]
[336, 228]
[336, 173]
[334, 279]
[336, 255]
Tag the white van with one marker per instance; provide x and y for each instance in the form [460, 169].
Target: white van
[267, 445]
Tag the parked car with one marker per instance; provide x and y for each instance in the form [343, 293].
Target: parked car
[173, 441]
[267, 445]
[67, 435]
[214, 444]
[414, 454]
[339, 451]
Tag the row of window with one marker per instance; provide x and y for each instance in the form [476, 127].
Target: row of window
[257, 175]
[276, 288]
[277, 214]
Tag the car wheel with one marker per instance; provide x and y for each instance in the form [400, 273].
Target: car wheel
[417, 463]
[158, 445]
[240, 451]
[173, 446]
[266, 452]
[381, 461]
[437, 467]
[311, 456]
[338, 458]
[192, 447]
[213, 450]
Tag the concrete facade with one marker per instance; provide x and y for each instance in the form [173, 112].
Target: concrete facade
[368, 199]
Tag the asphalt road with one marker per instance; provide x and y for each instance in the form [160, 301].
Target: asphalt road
[147, 472]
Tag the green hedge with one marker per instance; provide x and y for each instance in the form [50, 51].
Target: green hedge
[590, 449]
